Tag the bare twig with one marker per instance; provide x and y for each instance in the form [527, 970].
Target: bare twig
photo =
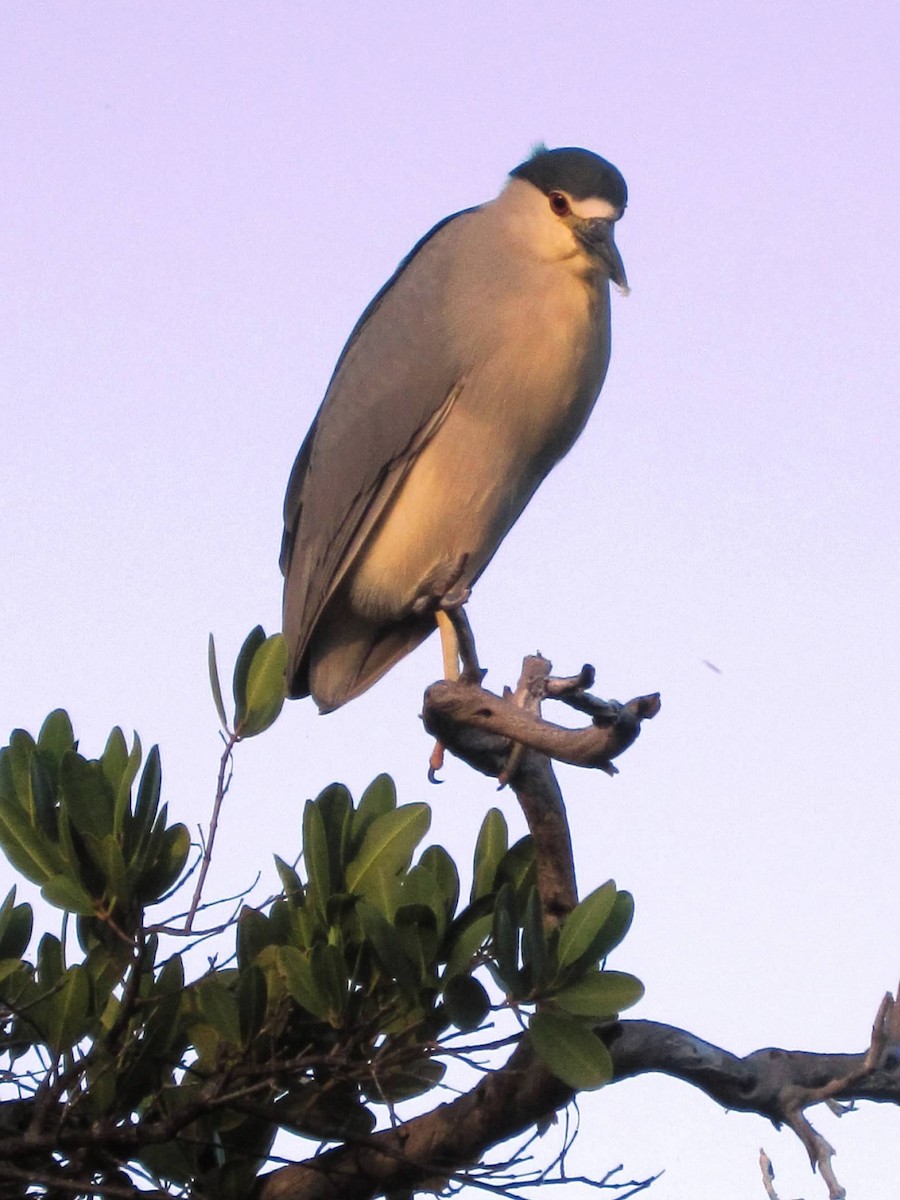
[222, 785]
[768, 1174]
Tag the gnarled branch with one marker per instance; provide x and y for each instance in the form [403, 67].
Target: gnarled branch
[506, 737]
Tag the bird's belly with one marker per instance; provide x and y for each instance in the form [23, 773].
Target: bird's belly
[466, 489]
[442, 527]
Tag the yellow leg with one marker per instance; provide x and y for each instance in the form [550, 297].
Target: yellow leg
[449, 645]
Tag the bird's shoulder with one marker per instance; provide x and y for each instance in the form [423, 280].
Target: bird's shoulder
[394, 372]
[439, 239]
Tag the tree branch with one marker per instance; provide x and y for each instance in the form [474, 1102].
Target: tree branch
[776, 1084]
[457, 712]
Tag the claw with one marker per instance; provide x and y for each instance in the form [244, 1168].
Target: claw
[436, 762]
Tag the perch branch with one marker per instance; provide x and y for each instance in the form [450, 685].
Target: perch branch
[506, 737]
[479, 726]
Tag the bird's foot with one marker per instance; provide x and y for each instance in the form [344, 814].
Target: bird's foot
[458, 649]
[436, 762]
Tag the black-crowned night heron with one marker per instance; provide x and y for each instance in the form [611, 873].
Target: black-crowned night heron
[466, 379]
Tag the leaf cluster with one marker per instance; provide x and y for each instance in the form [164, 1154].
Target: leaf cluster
[72, 826]
[339, 995]
[258, 683]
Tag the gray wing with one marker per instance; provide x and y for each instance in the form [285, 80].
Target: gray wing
[393, 384]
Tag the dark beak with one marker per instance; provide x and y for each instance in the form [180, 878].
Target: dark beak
[596, 235]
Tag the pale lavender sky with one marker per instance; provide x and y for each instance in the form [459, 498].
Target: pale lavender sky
[199, 199]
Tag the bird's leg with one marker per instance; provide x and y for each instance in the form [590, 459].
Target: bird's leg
[457, 647]
[458, 651]
[452, 614]
[444, 595]
[449, 644]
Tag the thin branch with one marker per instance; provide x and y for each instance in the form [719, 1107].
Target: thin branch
[222, 785]
[768, 1174]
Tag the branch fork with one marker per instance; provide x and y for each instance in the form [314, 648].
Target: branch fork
[483, 728]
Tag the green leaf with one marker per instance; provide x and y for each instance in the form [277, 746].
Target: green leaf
[63, 1016]
[165, 1006]
[123, 788]
[280, 917]
[382, 936]
[333, 1112]
[517, 868]
[114, 759]
[44, 774]
[252, 643]
[150, 845]
[291, 883]
[307, 926]
[571, 1051]
[51, 965]
[174, 1161]
[218, 1006]
[331, 977]
[253, 935]
[616, 926]
[7, 781]
[27, 848]
[107, 965]
[117, 887]
[436, 860]
[388, 845]
[171, 976]
[406, 1081]
[207, 1041]
[20, 751]
[417, 930]
[421, 887]
[380, 797]
[266, 687]
[215, 685]
[584, 923]
[16, 922]
[467, 935]
[107, 855]
[296, 970]
[62, 891]
[492, 844]
[146, 806]
[251, 998]
[171, 853]
[56, 735]
[315, 856]
[466, 1002]
[600, 994]
[87, 798]
[336, 806]
[15, 980]
[535, 951]
[505, 939]
[382, 889]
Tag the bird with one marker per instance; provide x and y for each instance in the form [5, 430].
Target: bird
[466, 379]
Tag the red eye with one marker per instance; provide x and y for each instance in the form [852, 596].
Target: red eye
[559, 203]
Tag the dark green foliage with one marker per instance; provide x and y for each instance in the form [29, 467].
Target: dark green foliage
[337, 996]
[67, 824]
